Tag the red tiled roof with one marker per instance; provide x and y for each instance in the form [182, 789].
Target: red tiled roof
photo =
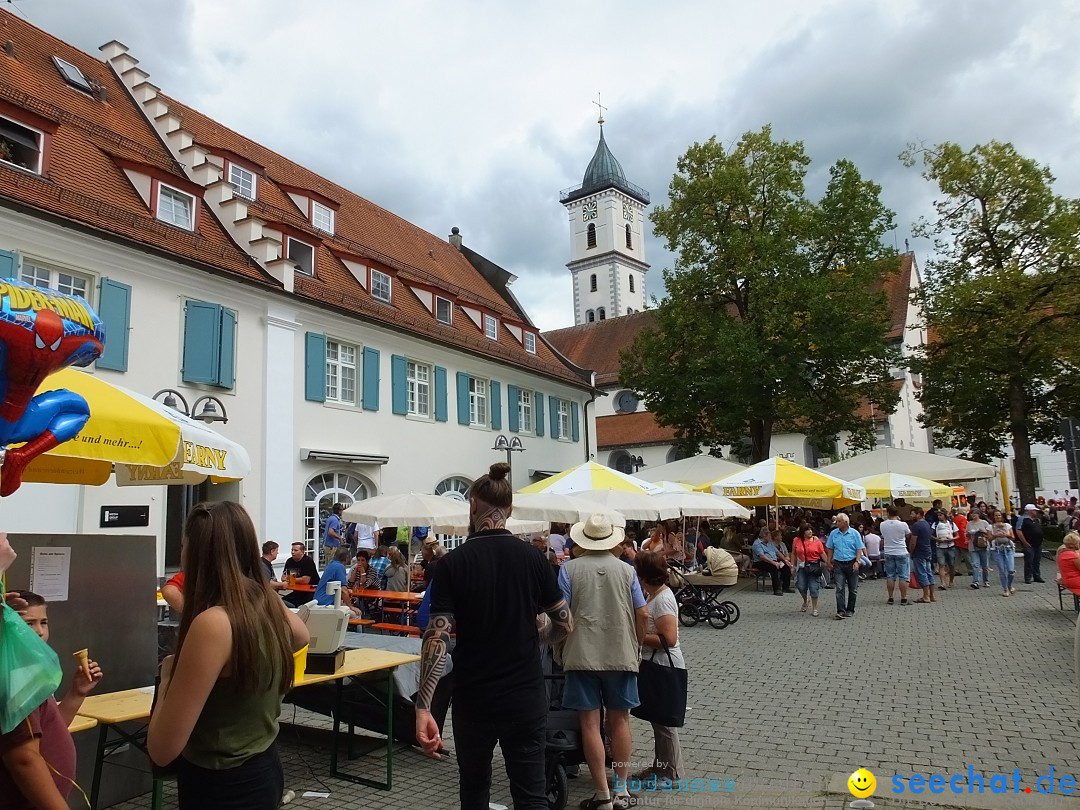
[596, 345]
[83, 183]
[631, 429]
[897, 289]
[867, 411]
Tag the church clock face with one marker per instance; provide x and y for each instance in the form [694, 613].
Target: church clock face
[588, 211]
[628, 212]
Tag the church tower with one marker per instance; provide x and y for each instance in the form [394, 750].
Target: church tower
[607, 245]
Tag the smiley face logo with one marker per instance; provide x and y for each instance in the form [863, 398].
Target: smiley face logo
[862, 783]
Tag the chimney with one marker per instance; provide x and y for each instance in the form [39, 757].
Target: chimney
[9, 48]
[455, 237]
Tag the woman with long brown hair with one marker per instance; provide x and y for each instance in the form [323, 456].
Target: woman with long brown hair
[220, 694]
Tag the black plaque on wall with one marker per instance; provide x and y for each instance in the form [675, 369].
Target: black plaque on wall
[123, 516]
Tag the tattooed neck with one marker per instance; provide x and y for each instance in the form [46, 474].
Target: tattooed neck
[488, 517]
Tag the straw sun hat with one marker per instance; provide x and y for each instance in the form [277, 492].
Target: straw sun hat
[596, 534]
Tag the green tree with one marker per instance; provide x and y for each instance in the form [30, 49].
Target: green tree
[772, 322]
[1002, 301]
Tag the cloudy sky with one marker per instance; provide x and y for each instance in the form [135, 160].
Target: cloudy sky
[477, 113]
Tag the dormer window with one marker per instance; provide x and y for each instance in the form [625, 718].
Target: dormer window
[72, 75]
[444, 311]
[380, 286]
[530, 343]
[322, 217]
[303, 256]
[176, 207]
[491, 327]
[243, 181]
[20, 146]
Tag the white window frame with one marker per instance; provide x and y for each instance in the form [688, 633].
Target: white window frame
[491, 327]
[478, 402]
[376, 278]
[336, 371]
[564, 418]
[418, 378]
[449, 310]
[288, 254]
[526, 412]
[322, 217]
[40, 145]
[530, 342]
[190, 225]
[54, 278]
[238, 187]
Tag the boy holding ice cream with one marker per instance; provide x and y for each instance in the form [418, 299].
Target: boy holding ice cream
[37, 758]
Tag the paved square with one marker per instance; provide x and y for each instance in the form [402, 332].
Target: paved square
[782, 702]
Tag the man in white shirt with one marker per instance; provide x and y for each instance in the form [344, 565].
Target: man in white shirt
[365, 535]
[894, 536]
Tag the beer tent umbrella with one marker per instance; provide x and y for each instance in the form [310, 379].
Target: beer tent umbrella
[147, 442]
[890, 485]
[555, 508]
[779, 482]
[695, 471]
[441, 514]
[590, 476]
[702, 505]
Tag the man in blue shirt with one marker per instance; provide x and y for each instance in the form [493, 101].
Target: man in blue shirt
[768, 560]
[921, 546]
[845, 549]
[332, 536]
[336, 571]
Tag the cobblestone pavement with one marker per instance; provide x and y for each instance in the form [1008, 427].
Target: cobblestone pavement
[782, 703]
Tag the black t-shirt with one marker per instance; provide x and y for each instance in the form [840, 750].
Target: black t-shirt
[495, 585]
[1032, 529]
[304, 568]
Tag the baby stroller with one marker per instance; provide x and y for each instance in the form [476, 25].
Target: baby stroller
[563, 748]
[698, 593]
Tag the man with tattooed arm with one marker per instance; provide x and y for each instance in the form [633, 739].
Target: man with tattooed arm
[489, 592]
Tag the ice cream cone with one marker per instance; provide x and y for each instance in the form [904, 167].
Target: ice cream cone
[83, 656]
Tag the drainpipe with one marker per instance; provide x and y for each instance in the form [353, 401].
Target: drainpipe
[585, 413]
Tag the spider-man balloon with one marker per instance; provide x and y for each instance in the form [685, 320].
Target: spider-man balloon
[41, 331]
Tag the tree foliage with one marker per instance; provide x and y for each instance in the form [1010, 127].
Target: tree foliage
[1002, 302]
[772, 322]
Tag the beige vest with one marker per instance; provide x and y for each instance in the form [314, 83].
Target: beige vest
[604, 636]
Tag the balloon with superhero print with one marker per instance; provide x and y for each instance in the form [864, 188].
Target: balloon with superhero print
[41, 331]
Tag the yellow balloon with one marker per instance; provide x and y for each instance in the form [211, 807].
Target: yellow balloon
[862, 784]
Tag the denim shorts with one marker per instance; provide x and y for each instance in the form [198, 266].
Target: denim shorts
[587, 690]
[924, 572]
[947, 555]
[898, 567]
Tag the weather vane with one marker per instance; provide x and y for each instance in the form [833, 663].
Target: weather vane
[601, 107]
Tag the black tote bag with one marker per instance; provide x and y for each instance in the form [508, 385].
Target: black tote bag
[662, 692]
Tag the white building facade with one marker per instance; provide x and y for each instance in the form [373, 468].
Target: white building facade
[347, 368]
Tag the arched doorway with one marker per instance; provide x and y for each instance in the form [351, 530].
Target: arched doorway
[622, 461]
[676, 454]
[320, 495]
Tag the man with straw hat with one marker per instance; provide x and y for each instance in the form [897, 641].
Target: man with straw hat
[601, 656]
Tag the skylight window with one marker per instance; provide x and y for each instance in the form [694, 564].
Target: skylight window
[72, 75]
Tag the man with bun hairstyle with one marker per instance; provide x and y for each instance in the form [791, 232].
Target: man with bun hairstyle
[489, 591]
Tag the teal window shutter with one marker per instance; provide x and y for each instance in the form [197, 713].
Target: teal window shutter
[495, 398]
[513, 404]
[371, 379]
[462, 398]
[440, 394]
[226, 377]
[114, 309]
[9, 264]
[399, 392]
[538, 413]
[553, 409]
[315, 367]
[202, 342]
[575, 421]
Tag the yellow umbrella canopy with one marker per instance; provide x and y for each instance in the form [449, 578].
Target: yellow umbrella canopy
[149, 443]
[777, 481]
[897, 485]
[590, 476]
